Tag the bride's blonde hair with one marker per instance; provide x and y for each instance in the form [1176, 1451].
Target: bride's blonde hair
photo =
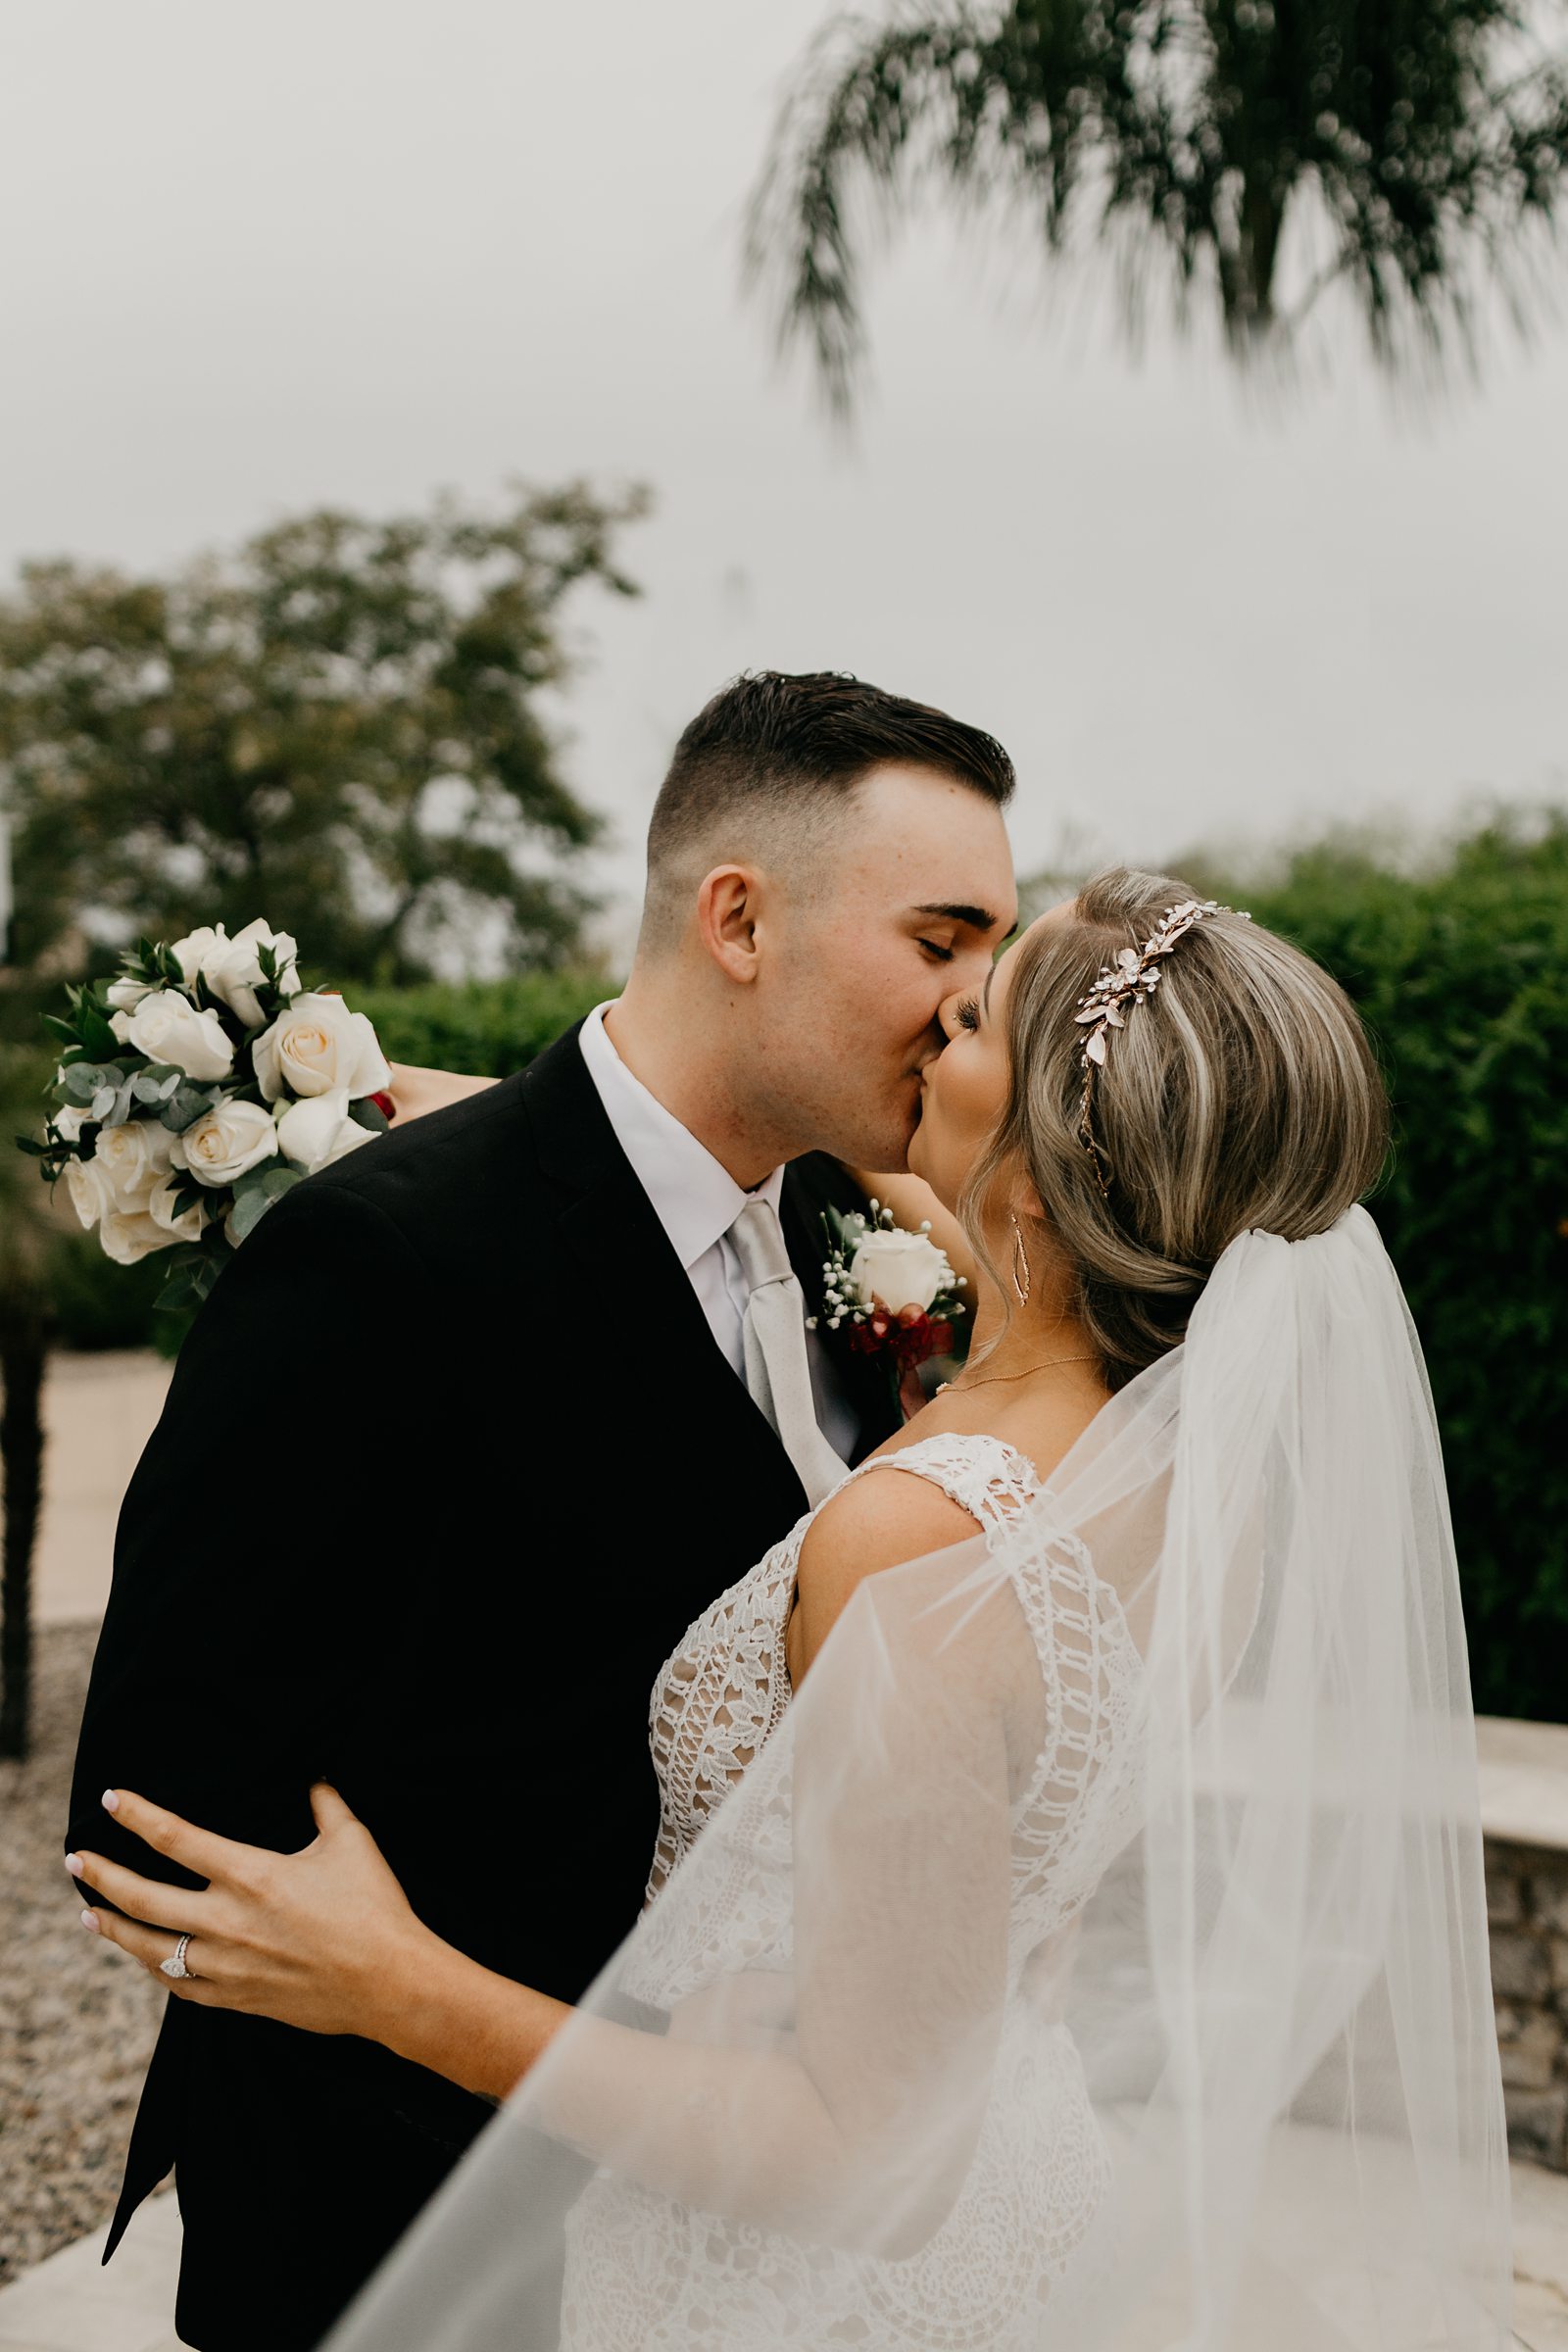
[1243, 1095]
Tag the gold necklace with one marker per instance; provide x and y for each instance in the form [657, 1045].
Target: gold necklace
[991, 1379]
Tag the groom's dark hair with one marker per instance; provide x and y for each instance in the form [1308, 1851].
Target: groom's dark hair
[791, 750]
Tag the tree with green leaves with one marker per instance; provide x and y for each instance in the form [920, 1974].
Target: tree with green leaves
[340, 727]
[1409, 152]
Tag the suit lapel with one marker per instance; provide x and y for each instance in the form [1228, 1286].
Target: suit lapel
[599, 1195]
[810, 1184]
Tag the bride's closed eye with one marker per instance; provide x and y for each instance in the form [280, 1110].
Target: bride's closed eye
[966, 1012]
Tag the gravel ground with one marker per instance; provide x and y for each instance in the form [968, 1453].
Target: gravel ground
[77, 2019]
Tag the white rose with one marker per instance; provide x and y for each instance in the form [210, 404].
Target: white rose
[314, 1133]
[233, 968]
[67, 1122]
[128, 1235]
[187, 1226]
[902, 1269]
[124, 993]
[133, 1156]
[166, 1027]
[317, 1046]
[89, 1195]
[197, 949]
[219, 1146]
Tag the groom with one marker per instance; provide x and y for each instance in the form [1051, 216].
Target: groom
[480, 1419]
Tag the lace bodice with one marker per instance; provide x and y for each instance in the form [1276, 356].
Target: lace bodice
[644, 2272]
[723, 1691]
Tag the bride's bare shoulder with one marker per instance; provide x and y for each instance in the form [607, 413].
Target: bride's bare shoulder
[876, 1522]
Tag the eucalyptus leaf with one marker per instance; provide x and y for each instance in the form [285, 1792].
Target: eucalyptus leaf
[248, 1211]
[186, 1106]
[157, 1082]
[179, 1293]
[83, 1081]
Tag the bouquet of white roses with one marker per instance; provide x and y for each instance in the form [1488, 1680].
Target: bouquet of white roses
[195, 1088]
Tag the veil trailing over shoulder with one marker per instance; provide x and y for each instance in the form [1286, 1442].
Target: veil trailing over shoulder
[1094, 1954]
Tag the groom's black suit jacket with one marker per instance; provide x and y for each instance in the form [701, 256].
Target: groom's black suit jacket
[450, 1461]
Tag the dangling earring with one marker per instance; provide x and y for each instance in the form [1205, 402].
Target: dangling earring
[1020, 1265]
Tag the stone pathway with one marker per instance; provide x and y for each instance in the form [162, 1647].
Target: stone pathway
[99, 1412]
[71, 2304]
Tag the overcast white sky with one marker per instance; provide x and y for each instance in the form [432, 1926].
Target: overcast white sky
[253, 259]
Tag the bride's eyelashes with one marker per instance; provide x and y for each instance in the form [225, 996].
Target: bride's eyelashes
[966, 1012]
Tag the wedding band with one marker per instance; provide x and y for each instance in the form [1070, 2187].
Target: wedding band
[175, 1965]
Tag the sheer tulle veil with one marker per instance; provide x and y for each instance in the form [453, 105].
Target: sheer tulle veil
[1270, 1954]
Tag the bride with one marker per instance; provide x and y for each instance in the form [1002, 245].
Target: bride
[1065, 1927]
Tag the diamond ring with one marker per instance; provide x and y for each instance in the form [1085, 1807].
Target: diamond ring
[175, 1965]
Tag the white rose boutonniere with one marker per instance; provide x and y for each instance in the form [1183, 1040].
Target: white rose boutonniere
[892, 1293]
[901, 1269]
[195, 1088]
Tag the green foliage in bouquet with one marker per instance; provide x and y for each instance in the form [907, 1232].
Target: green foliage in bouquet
[1459, 973]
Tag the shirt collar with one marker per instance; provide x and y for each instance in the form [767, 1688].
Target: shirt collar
[696, 1201]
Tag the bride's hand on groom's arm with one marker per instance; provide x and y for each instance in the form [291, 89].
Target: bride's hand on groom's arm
[323, 1940]
[317, 1938]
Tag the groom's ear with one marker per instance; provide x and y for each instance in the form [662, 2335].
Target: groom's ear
[729, 906]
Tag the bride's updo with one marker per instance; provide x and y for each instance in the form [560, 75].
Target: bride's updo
[1243, 1095]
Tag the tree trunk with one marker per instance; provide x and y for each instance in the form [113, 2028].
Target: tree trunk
[24, 1351]
[1262, 218]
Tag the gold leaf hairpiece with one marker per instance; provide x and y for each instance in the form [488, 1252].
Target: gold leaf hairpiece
[1130, 979]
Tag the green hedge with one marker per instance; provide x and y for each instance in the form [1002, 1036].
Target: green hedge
[1461, 976]
[484, 1028]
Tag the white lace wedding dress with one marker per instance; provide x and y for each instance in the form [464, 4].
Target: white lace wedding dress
[644, 2271]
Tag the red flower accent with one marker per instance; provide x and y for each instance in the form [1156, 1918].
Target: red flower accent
[385, 1105]
[870, 1338]
[910, 1337]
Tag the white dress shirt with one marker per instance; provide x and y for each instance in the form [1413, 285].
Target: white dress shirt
[697, 1202]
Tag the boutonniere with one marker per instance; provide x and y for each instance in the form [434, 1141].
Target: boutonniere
[891, 1293]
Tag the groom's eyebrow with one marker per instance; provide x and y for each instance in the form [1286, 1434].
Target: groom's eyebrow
[979, 918]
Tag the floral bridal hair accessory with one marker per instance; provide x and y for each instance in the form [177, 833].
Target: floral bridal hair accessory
[1129, 980]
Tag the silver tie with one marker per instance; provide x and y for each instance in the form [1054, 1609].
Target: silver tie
[777, 1373]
